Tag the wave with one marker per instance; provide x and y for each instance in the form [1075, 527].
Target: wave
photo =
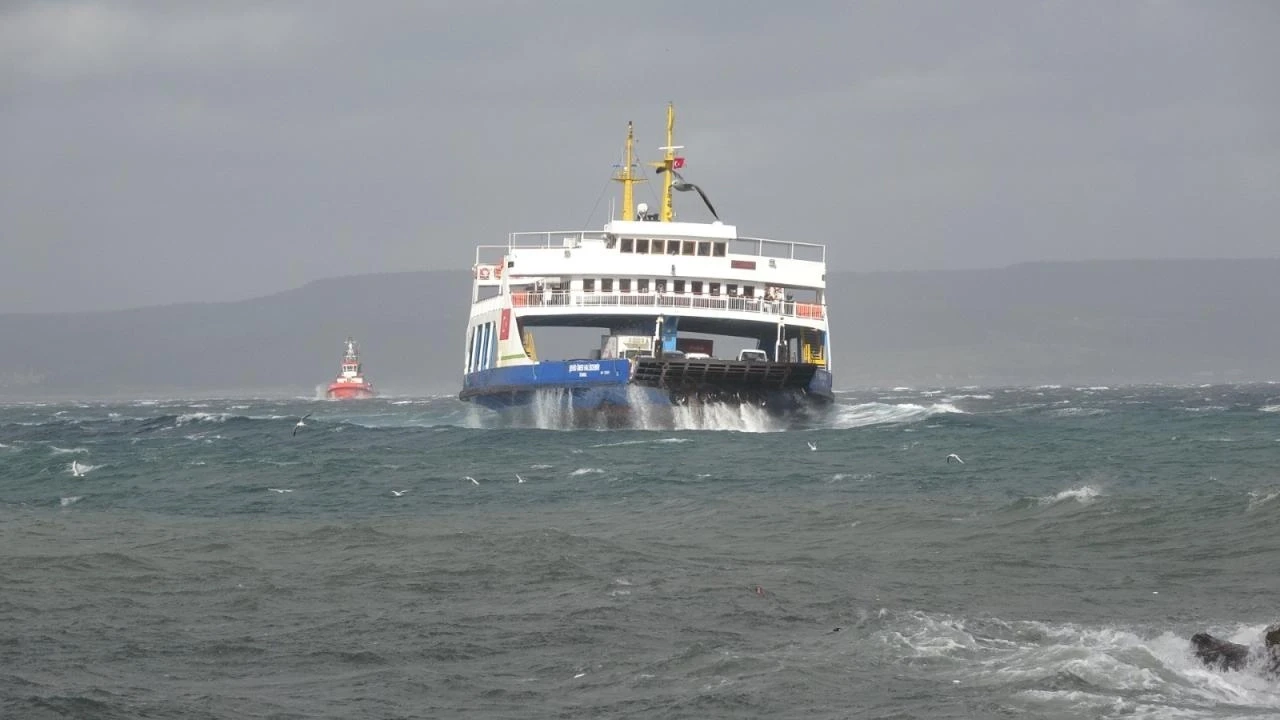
[1066, 669]
[879, 413]
[1082, 494]
[1258, 498]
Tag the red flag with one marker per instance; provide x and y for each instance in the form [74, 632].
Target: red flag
[677, 163]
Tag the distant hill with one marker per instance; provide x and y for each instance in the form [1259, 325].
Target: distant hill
[1086, 322]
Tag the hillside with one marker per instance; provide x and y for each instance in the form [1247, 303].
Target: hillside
[1091, 322]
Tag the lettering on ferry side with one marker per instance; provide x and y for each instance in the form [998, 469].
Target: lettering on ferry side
[584, 367]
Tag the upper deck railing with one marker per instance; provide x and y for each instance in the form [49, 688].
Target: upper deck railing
[749, 246]
[566, 299]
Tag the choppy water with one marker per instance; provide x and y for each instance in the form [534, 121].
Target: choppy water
[209, 564]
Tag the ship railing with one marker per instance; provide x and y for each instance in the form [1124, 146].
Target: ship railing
[764, 247]
[747, 246]
[789, 308]
[552, 238]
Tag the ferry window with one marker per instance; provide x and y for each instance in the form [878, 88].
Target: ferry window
[656, 247]
[606, 285]
[689, 246]
[588, 284]
[704, 248]
[717, 249]
[660, 285]
[731, 290]
[673, 247]
[748, 291]
[697, 286]
[642, 285]
[679, 286]
[627, 244]
[624, 285]
[642, 245]
[715, 288]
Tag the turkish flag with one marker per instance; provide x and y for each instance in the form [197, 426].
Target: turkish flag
[677, 163]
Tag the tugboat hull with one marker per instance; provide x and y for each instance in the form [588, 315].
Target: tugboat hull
[348, 392]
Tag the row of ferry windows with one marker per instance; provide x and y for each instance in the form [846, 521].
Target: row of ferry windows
[661, 285]
[646, 246]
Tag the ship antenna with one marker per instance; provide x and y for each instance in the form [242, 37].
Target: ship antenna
[668, 164]
[627, 177]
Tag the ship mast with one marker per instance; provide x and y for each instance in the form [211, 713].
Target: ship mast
[627, 177]
[668, 164]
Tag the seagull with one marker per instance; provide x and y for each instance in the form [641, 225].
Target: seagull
[279, 490]
[955, 457]
[811, 445]
[685, 186]
[473, 480]
[518, 478]
[75, 469]
[301, 423]
[398, 493]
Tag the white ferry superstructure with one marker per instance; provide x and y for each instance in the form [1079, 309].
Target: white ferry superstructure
[655, 287]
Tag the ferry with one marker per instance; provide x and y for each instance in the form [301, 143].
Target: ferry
[689, 312]
[350, 383]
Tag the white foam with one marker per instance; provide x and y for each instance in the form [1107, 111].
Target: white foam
[878, 413]
[1077, 412]
[720, 416]
[1124, 672]
[1084, 495]
[203, 417]
[642, 442]
[1258, 498]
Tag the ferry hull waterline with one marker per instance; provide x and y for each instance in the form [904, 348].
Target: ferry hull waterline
[350, 383]
[663, 294]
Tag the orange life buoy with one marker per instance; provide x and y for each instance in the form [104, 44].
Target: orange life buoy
[484, 273]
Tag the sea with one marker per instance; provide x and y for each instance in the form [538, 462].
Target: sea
[416, 557]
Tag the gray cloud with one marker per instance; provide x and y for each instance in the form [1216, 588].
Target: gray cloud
[156, 153]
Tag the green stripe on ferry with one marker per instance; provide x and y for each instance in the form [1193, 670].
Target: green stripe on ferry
[515, 356]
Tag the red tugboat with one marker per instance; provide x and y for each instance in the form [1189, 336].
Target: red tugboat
[350, 383]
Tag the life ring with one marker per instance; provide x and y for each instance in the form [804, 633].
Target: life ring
[484, 273]
[497, 272]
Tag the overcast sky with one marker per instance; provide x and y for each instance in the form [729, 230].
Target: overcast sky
[164, 152]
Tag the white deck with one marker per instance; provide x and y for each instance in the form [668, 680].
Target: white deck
[572, 304]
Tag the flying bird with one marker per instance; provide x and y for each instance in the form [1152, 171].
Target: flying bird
[399, 493]
[811, 445]
[280, 490]
[75, 469]
[685, 186]
[301, 423]
[954, 457]
[473, 480]
[518, 478]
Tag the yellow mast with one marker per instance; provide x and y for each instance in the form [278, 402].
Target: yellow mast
[627, 178]
[668, 162]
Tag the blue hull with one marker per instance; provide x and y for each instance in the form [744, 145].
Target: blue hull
[595, 385]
